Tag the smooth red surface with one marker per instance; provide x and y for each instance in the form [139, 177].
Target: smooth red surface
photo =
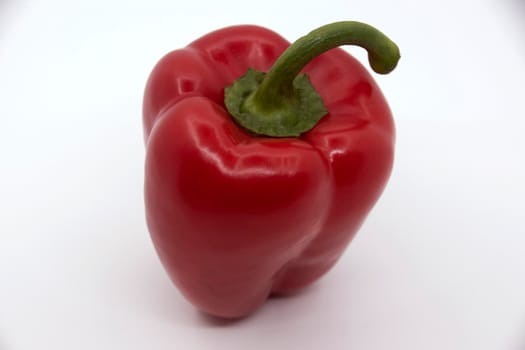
[235, 218]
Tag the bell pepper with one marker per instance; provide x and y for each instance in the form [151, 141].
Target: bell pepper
[263, 159]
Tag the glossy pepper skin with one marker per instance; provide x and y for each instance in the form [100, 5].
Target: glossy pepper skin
[236, 217]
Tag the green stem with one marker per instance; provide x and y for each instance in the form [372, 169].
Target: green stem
[282, 103]
[383, 56]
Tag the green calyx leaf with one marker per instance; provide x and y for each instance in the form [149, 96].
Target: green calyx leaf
[289, 115]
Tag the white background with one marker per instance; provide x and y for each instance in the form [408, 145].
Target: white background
[440, 263]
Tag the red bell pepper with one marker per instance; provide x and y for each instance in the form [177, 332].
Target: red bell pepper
[255, 183]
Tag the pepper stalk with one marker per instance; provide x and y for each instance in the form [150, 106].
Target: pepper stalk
[284, 103]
